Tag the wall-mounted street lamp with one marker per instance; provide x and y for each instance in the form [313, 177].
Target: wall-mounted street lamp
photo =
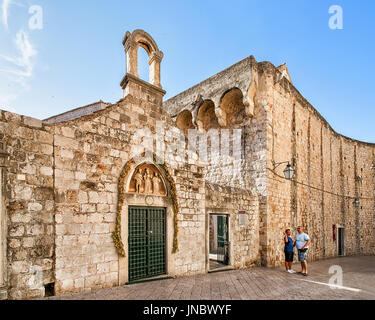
[288, 171]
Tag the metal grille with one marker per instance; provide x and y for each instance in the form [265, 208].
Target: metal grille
[146, 242]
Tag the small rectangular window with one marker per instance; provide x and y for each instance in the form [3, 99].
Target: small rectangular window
[49, 289]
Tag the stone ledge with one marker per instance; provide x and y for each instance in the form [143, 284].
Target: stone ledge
[32, 122]
[129, 77]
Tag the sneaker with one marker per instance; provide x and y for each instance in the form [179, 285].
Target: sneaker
[287, 271]
[291, 271]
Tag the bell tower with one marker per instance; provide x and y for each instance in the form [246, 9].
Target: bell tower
[131, 83]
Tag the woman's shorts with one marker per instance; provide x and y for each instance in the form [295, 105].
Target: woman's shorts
[289, 256]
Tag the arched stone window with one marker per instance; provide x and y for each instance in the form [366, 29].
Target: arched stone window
[184, 121]
[131, 42]
[232, 108]
[206, 118]
[143, 67]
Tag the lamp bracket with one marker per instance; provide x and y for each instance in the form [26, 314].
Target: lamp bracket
[276, 164]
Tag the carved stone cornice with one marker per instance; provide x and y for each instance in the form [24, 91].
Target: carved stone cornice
[130, 78]
[156, 56]
[130, 44]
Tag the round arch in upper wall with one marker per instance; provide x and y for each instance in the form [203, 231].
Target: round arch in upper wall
[232, 108]
[184, 121]
[206, 117]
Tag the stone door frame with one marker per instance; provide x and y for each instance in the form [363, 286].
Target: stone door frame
[143, 200]
[140, 201]
[219, 211]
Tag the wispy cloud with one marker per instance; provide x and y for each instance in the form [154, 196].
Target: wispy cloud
[16, 70]
[5, 101]
[22, 66]
[5, 12]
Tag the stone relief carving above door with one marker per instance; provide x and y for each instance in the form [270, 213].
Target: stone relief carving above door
[147, 179]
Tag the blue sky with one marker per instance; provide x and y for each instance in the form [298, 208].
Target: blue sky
[77, 57]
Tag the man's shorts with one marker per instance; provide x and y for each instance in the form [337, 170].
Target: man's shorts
[289, 256]
[302, 255]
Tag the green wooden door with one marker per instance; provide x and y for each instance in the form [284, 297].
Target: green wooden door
[222, 228]
[222, 239]
[146, 242]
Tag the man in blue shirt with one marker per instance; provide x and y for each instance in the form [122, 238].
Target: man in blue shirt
[302, 243]
[288, 251]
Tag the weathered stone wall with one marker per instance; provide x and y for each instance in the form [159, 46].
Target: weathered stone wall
[190, 185]
[29, 203]
[327, 179]
[282, 126]
[226, 102]
[90, 153]
[244, 240]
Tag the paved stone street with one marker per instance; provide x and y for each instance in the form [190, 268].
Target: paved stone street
[254, 283]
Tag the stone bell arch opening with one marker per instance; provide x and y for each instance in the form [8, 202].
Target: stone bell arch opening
[143, 67]
[134, 44]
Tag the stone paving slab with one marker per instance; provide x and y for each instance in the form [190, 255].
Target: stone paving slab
[253, 284]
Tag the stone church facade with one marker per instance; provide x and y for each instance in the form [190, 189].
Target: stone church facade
[91, 199]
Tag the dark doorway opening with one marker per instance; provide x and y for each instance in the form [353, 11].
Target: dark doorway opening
[340, 241]
[49, 289]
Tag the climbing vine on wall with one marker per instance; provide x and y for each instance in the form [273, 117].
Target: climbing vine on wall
[119, 244]
[173, 193]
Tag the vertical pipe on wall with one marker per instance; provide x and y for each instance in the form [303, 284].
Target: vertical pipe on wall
[294, 186]
[323, 200]
[342, 186]
[4, 157]
[332, 251]
[356, 208]
[309, 230]
[2, 227]
[373, 217]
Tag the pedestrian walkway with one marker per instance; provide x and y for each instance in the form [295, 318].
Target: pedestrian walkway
[254, 284]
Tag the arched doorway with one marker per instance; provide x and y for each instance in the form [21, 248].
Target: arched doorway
[147, 223]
